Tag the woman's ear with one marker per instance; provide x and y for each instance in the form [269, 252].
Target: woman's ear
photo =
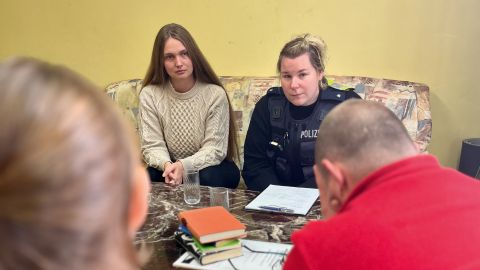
[138, 205]
[320, 75]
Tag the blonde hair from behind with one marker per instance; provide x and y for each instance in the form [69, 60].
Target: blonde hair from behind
[67, 162]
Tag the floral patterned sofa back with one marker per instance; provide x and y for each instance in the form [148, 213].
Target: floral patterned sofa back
[408, 100]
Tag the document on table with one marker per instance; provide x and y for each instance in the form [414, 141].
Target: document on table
[284, 199]
[249, 260]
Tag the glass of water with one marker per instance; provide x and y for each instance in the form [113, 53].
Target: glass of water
[191, 187]
[219, 197]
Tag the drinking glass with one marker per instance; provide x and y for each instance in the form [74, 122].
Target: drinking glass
[191, 187]
[219, 197]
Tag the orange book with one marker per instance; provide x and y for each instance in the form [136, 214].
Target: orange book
[212, 224]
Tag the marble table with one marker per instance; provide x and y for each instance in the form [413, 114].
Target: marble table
[165, 202]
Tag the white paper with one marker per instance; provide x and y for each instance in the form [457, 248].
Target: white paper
[297, 199]
[249, 260]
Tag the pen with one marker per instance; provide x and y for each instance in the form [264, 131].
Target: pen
[276, 208]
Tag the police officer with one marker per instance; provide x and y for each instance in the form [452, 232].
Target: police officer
[280, 142]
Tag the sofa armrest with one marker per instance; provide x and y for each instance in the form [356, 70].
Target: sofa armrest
[125, 95]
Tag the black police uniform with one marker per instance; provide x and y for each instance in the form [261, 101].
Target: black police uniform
[280, 143]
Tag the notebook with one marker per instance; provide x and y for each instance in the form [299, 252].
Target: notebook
[272, 258]
[285, 200]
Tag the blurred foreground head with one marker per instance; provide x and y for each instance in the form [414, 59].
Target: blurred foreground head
[71, 190]
[356, 138]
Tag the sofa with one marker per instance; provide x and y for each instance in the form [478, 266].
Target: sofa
[408, 100]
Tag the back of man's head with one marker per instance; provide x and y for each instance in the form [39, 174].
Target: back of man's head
[364, 136]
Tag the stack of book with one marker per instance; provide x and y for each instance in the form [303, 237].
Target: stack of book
[210, 234]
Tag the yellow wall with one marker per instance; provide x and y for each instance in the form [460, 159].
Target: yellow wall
[431, 41]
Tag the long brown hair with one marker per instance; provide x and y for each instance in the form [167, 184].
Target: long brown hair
[66, 169]
[202, 71]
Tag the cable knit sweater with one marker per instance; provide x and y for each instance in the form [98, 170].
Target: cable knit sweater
[191, 127]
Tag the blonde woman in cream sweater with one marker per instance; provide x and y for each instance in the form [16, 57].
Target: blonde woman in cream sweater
[186, 120]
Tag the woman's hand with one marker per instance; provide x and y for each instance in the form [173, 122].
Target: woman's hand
[173, 173]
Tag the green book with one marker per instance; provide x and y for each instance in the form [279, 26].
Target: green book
[217, 246]
[206, 255]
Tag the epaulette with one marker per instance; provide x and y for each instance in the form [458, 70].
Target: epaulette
[277, 91]
[332, 93]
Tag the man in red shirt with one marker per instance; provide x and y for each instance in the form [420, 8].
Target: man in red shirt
[385, 205]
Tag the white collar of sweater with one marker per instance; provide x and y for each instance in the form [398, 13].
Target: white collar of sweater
[187, 95]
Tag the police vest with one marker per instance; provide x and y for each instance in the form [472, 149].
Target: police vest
[293, 141]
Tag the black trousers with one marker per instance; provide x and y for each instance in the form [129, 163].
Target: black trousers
[225, 174]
